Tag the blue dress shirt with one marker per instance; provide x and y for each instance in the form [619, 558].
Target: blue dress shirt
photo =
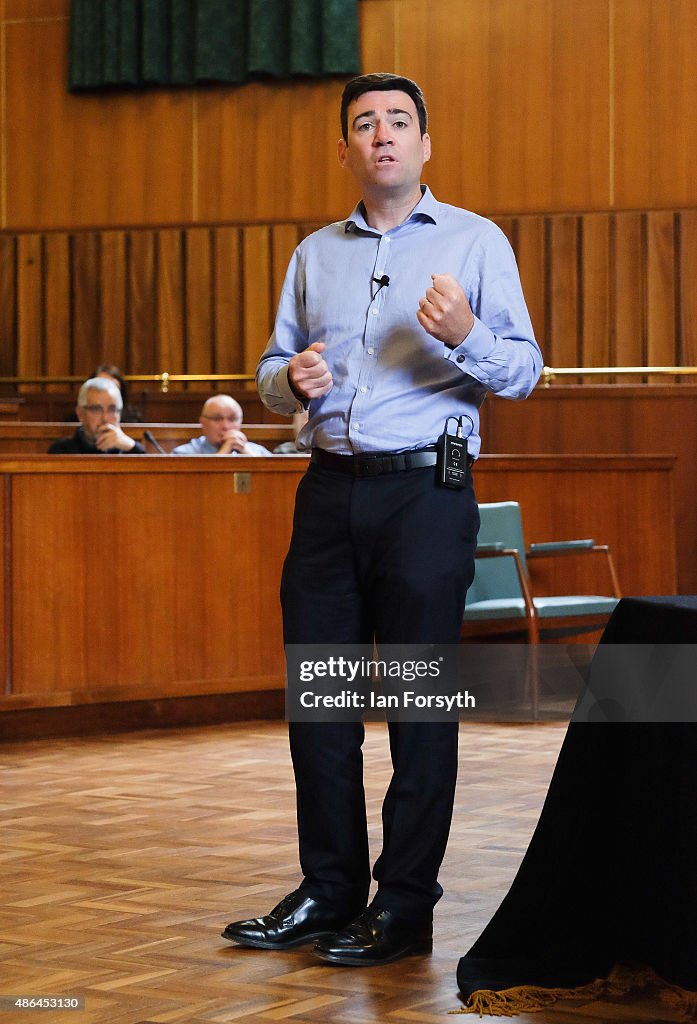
[394, 384]
[200, 446]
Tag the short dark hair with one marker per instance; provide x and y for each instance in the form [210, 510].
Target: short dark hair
[382, 81]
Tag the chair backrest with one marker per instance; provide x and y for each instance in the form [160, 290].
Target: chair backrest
[501, 522]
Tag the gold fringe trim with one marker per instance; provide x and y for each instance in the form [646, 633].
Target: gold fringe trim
[622, 980]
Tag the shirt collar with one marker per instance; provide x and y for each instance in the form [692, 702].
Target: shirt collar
[425, 209]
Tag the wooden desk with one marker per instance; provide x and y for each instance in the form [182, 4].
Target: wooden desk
[34, 438]
[138, 578]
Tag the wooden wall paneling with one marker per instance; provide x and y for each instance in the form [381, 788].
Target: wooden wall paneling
[138, 617]
[30, 305]
[169, 352]
[519, 103]
[576, 93]
[460, 93]
[35, 178]
[660, 289]
[18, 10]
[142, 301]
[675, 92]
[171, 627]
[58, 311]
[672, 55]
[308, 228]
[311, 182]
[509, 226]
[530, 254]
[75, 554]
[379, 39]
[631, 99]
[109, 159]
[228, 313]
[199, 324]
[284, 239]
[113, 290]
[655, 89]
[660, 419]
[687, 283]
[611, 500]
[563, 270]
[86, 300]
[8, 306]
[522, 125]
[629, 290]
[595, 290]
[257, 300]
[256, 159]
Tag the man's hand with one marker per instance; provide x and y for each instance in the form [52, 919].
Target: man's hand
[308, 373]
[109, 435]
[445, 311]
[234, 441]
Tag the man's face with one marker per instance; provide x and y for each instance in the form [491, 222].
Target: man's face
[99, 408]
[385, 150]
[218, 419]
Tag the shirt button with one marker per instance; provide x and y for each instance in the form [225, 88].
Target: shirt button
[459, 359]
[356, 426]
[371, 351]
[381, 272]
[363, 390]
[374, 311]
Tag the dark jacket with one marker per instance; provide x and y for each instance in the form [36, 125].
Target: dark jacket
[79, 445]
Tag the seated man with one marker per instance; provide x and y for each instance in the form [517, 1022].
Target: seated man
[221, 420]
[98, 409]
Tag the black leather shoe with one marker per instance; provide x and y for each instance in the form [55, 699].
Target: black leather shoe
[375, 937]
[295, 920]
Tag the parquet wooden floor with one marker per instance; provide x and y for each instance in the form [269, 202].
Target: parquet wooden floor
[123, 857]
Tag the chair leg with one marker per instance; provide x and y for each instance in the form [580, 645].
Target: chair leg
[533, 671]
[534, 680]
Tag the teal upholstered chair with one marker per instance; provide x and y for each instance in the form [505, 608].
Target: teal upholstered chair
[501, 600]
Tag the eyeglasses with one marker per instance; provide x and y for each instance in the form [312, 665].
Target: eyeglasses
[110, 410]
[221, 419]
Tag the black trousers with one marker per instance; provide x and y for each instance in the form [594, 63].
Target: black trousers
[387, 557]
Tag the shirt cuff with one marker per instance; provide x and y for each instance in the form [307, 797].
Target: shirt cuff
[478, 344]
[278, 395]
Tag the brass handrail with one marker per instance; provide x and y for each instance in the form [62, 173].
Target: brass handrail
[550, 372]
[164, 379]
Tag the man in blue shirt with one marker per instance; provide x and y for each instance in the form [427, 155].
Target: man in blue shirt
[405, 314]
[221, 422]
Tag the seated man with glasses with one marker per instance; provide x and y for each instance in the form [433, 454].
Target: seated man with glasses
[221, 422]
[98, 409]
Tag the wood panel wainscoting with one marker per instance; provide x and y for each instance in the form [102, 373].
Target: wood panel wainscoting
[57, 403]
[612, 419]
[604, 289]
[136, 580]
[542, 128]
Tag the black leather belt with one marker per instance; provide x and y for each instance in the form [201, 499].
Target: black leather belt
[376, 463]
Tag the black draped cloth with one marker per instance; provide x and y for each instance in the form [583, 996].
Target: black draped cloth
[610, 875]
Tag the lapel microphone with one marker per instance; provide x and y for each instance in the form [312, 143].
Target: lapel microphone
[382, 281]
